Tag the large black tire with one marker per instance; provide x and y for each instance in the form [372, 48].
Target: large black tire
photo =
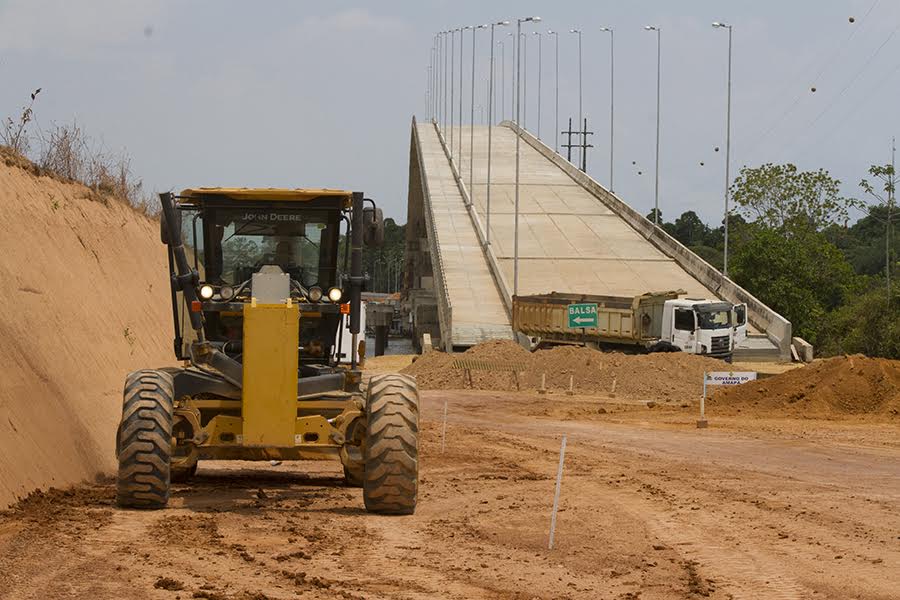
[144, 440]
[391, 478]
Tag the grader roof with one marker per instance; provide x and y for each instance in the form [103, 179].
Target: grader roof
[265, 194]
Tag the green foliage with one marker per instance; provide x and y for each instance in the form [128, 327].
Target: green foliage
[869, 325]
[782, 197]
[384, 265]
[802, 276]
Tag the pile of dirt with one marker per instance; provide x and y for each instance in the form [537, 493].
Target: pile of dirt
[844, 385]
[658, 377]
[86, 289]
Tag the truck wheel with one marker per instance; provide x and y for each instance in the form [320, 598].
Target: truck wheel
[144, 440]
[663, 346]
[391, 478]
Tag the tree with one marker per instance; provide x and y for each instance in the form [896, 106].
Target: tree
[886, 198]
[801, 276]
[782, 197]
[868, 324]
[690, 230]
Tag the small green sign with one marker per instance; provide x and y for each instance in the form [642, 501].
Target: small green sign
[582, 315]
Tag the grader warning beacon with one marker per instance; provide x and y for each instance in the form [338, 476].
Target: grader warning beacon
[263, 285]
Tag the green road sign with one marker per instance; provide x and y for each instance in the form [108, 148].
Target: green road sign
[582, 315]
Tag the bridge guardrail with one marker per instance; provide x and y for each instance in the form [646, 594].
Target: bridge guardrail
[776, 327]
[445, 307]
[493, 263]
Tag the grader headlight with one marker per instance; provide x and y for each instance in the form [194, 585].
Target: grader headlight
[206, 291]
[335, 294]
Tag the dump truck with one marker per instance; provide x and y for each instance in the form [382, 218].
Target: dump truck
[652, 322]
[261, 282]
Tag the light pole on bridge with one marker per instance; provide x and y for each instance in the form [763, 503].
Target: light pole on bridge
[540, 78]
[466, 28]
[612, 100]
[518, 143]
[452, 83]
[491, 127]
[580, 96]
[556, 123]
[658, 71]
[475, 29]
[719, 25]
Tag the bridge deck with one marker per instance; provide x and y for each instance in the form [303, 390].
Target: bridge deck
[568, 240]
[478, 311]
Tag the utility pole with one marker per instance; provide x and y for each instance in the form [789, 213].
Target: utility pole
[585, 145]
[568, 145]
[888, 227]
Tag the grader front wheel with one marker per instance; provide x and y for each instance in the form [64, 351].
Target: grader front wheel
[144, 440]
[391, 479]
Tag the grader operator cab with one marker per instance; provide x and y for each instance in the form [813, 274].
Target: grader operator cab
[261, 281]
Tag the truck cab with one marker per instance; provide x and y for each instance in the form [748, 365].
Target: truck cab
[700, 326]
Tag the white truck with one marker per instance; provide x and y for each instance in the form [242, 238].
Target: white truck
[654, 322]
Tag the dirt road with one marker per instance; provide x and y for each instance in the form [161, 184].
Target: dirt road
[651, 508]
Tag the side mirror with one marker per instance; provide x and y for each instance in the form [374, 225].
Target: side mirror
[163, 227]
[373, 227]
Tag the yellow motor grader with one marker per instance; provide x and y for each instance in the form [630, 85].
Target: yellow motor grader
[264, 286]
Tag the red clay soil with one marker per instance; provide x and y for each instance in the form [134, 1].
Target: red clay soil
[844, 385]
[657, 377]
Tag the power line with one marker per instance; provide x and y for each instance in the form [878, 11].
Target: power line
[825, 65]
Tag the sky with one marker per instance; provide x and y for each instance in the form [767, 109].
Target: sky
[321, 94]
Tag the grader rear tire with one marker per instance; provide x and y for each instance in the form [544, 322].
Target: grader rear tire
[144, 440]
[391, 478]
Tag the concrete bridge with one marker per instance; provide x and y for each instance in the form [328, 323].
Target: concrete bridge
[574, 236]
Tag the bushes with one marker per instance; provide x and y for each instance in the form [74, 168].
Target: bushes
[869, 324]
[66, 152]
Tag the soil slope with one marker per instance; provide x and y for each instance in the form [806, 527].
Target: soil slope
[85, 296]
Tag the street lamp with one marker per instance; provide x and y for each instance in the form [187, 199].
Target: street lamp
[459, 166]
[491, 125]
[452, 82]
[524, 52]
[658, 70]
[518, 142]
[578, 32]
[718, 25]
[475, 28]
[540, 77]
[444, 78]
[612, 98]
[512, 88]
[502, 79]
[556, 123]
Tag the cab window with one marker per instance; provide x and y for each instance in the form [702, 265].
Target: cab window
[684, 319]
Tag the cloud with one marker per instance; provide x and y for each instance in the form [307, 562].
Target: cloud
[355, 20]
[67, 28]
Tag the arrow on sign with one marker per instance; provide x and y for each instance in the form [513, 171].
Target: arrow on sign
[580, 320]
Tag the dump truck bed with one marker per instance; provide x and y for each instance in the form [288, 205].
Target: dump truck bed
[633, 320]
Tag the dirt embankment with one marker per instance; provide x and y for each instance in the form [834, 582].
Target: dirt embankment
[830, 388]
[85, 294]
[844, 385]
[658, 377]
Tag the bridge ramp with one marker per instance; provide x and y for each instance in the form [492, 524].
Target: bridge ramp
[476, 310]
